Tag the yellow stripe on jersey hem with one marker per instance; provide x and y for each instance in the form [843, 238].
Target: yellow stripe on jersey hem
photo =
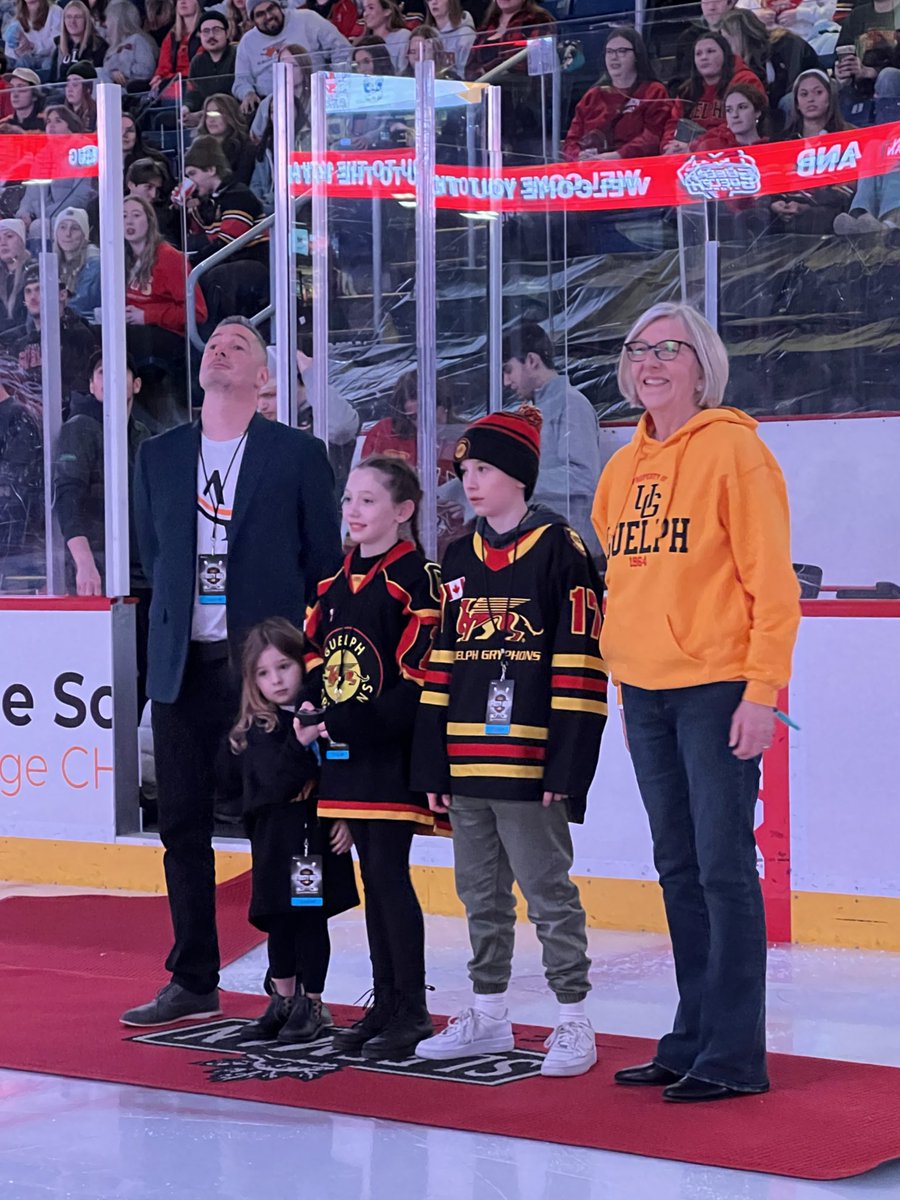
[441, 699]
[370, 812]
[495, 771]
[589, 661]
[448, 657]
[571, 705]
[537, 733]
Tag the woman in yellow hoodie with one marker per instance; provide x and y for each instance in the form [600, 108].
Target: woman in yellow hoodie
[702, 613]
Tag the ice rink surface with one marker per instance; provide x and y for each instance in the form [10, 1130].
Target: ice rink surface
[64, 1138]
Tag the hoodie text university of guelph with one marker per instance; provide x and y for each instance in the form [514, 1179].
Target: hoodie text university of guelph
[700, 586]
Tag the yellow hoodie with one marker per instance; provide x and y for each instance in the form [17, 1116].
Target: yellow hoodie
[696, 531]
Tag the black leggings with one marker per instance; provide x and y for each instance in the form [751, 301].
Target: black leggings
[394, 922]
[299, 945]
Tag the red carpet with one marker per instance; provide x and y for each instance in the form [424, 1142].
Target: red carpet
[823, 1119]
[121, 937]
[92, 957]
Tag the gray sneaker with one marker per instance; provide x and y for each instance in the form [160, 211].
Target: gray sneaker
[174, 1003]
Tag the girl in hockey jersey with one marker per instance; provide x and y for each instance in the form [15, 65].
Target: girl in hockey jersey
[302, 871]
[508, 733]
[372, 629]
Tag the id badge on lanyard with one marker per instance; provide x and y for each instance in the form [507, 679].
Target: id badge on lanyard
[498, 714]
[307, 889]
[212, 573]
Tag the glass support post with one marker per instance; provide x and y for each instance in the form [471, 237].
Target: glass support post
[115, 383]
[319, 252]
[426, 302]
[284, 322]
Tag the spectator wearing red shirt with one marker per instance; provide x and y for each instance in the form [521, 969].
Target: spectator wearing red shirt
[179, 47]
[699, 110]
[396, 435]
[623, 115]
[5, 101]
[508, 27]
[156, 274]
[508, 24]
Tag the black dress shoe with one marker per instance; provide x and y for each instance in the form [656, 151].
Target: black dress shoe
[691, 1091]
[649, 1075]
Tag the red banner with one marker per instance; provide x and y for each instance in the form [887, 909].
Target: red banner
[658, 182]
[43, 157]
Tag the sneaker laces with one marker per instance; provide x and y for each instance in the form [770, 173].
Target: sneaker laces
[462, 1025]
[571, 1037]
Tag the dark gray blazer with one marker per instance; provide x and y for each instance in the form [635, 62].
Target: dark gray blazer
[284, 537]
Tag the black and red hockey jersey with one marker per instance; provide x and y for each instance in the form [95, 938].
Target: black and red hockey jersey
[531, 598]
[370, 635]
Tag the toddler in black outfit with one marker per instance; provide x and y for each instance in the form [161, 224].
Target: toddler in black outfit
[280, 768]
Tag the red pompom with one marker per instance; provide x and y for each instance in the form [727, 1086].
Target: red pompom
[532, 415]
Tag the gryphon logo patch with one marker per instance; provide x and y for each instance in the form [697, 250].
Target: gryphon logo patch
[308, 1062]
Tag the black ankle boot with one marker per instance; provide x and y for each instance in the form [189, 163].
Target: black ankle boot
[372, 1022]
[409, 1025]
[306, 1022]
[270, 1024]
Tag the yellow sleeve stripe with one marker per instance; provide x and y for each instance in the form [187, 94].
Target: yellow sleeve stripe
[447, 657]
[571, 705]
[464, 729]
[312, 662]
[441, 699]
[589, 661]
[495, 771]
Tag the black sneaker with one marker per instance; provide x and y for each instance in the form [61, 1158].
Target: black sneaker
[306, 1021]
[409, 1025]
[174, 1003]
[376, 1018]
[267, 1027]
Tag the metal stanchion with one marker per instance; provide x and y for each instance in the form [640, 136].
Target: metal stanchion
[284, 322]
[426, 302]
[112, 296]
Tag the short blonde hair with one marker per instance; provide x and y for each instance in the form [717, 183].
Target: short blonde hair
[711, 353]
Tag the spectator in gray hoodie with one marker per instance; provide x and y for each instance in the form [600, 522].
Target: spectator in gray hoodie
[132, 54]
[273, 28]
[570, 436]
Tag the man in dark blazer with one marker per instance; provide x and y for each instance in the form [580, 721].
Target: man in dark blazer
[236, 522]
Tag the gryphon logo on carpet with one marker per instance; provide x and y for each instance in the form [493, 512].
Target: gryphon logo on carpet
[272, 1060]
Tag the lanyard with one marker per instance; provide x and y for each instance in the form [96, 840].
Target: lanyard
[504, 627]
[217, 485]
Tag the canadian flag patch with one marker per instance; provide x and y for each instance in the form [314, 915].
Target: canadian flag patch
[455, 587]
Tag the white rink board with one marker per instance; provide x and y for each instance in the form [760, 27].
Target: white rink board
[842, 479]
[56, 751]
[845, 761]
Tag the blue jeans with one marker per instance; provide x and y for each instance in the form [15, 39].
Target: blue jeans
[701, 801]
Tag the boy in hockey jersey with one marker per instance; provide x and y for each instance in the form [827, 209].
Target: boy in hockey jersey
[508, 733]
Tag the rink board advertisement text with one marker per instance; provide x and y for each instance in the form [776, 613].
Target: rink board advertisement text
[660, 181]
[56, 730]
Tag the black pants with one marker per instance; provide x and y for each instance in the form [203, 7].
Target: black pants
[186, 739]
[394, 922]
[299, 945]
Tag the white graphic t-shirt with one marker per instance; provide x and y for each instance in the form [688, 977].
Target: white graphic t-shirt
[218, 467]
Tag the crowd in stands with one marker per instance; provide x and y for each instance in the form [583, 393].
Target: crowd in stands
[197, 137]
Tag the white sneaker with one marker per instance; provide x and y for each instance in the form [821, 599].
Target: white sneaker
[571, 1049]
[469, 1032]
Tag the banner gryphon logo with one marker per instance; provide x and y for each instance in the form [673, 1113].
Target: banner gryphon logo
[267, 1061]
[477, 622]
